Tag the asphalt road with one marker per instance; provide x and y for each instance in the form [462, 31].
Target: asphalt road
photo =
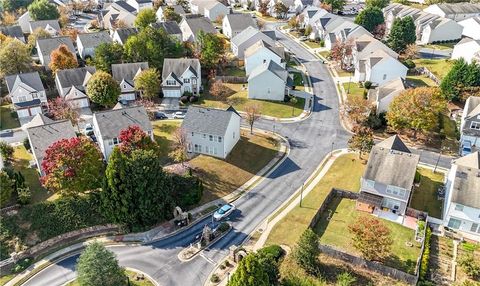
[310, 140]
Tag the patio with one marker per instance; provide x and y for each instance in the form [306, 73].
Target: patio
[406, 221]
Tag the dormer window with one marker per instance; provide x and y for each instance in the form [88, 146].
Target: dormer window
[170, 82]
[186, 80]
[475, 125]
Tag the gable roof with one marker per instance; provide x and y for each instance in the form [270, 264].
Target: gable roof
[250, 32]
[13, 31]
[44, 24]
[198, 24]
[176, 67]
[90, 40]
[391, 163]
[123, 6]
[127, 71]
[466, 185]
[240, 21]
[392, 86]
[176, 8]
[47, 45]
[458, 8]
[111, 122]
[211, 4]
[472, 108]
[37, 120]
[124, 33]
[210, 121]
[170, 27]
[279, 51]
[272, 67]
[31, 79]
[74, 77]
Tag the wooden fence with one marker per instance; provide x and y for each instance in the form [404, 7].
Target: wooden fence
[232, 79]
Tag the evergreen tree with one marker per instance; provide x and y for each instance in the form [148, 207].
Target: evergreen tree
[43, 10]
[402, 34]
[307, 251]
[107, 54]
[370, 18]
[249, 273]
[461, 77]
[144, 18]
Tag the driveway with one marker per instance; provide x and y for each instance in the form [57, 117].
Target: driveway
[170, 103]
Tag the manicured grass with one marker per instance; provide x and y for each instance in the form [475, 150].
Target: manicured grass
[344, 174]
[325, 54]
[131, 277]
[440, 68]
[21, 164]
[424, 197]
[6, 278]
[343, 73]
[355, 89]
[239, 100]
[420, 80]
[234, 71]
[444, 46]
[312, 44]
[163, 133]
[248, 157]
[7, 121]
[335, 232]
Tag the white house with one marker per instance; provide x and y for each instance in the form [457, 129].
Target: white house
[339, 32]
[290, 4]
[471, 27]
[461, 209]
[269, 81]
[121, 35]
[211, 131]
[234, 24]
[125, 75]
[454, 11]
[176, 8]
[24, 22]
[86, 43]
[441, 30]
[27, 93]
[51, 26]
[115, 13]
[386, 185]
[107, 126]
[215, 11]
[180, 76]
[140, 4]
[248, 37]
[72, 83]
[470, 122]
[467, 49]
[261, 53]
[46, 46]
[379, 68]
[43, 132]
[191, 26]
[383, 95]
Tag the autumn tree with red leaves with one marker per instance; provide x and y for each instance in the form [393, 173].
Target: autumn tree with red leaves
[62, 58]
[134, 138]
[72, 166]
[62, 109]
[371, 237]
[341, 51]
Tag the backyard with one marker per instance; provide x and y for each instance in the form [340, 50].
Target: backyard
[163, 133]
[420, 80]
[332, 229]
[424, 197]
[439, 68]
[7, 121]
[353, 89]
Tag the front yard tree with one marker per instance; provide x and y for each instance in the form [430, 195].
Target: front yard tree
[219, 90]
[371, 237]
[148, 82]
[210, 49]
[14, 57]
[62, 58]
[249, 273]
[179, 146]
[358, 109]
[370, 18]
[43, 10]
[99, 266]
[377, 3]
[6, 151]
[362, 140]
[38, 33]
[72, 166]
[293, 23]
[416, 109]
[341, 52]
[263, 8]
[144, 18]
[280, 10]
[107, 54]
[103, 89]
[306, 251]
[337, 5]
[402, 34]
[253, 114]
[410, 52]
[6, 188]
[170, 15]
[62, 109]
[133, 138]
[308, 30]
[461, 77]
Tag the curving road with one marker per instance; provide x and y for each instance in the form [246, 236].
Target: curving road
[310, 140]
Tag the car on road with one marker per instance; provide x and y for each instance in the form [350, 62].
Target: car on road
[224, 211]
[466, 148]
[88, 129]
[6, 132]
[160, 115]
[179, 115]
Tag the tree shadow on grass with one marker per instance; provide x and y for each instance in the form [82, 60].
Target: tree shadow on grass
[331, 268]
[324, 221]
[405, 265]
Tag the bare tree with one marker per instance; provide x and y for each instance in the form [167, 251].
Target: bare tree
[219, 90]
[253, 114]
[341, 52]
[179, 146]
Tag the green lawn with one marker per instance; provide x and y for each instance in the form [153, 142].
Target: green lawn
[7, 121]
[424, 197]
[355, 89]
[239, 100]
[312, 44]
[420, 80]
[163, 132]
[325, 54]
[345, 174]
[234, 71]
[449, 129]
[335, 232]
[248, 157]
[6, 278]
[131, 278]
[440, 68]
[343, 73]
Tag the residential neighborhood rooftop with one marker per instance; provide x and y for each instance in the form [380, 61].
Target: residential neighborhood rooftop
[111, 122]
[211, 121]
[466, 189]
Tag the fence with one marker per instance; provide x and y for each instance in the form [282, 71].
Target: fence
[416, 213]
[427, 72]
[232, 79]
[7, 210]
[333, 193]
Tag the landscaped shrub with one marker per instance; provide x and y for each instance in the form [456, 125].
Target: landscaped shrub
[345, 279]
[193, 98]
[367, 84]
[184, 99]
[274, 251]
[187, 190]
[426, 256]
[409, 64]
[26, 143]
[223, 227]
[24, 195]
[214, 278]
[22, 265]
[471, 266]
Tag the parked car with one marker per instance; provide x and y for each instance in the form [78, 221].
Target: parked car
[88, 129]
[6, 132]
[160, 115]
[303, 38]
[466, 148]
[179, 115]
[224, 211]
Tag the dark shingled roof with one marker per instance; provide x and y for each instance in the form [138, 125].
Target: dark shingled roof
[111, 122]
[124, 33]
[32, 79]
[240, 21]
[171, 27]
[200, 24]
[177, 67]
[50, 44]
[122, 5]
[210, 121]
[12, 31]
[73, 77]
[127, 71]
[466, 186]
[23, 104]
[90, 40]
[43, 23]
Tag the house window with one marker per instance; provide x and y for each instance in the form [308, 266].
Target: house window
[34, 95]
[268, 90]
[186, 80]
[115, 140]
[474, 227]
[22, 98]
[454, 223]
[170, 82]
[192, 134]
[384, 77]
[210, 137]
[475, 125]
[110, 143]
[204, 136]
[459, 207]
[396, 191]
[370, 184]
[219, 138]
[233, 135]
[197, 148]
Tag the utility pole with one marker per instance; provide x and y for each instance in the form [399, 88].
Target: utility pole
[301, 194]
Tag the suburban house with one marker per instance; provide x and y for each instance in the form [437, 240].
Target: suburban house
[46, 46]
[121, 35]
[339, 32]
[24, 22]
[170, 27]
[27, 93]
[379, 67]
[180, 76]
[72, 83]
[215, 11]
[308, 15]
[388, 179]
[323, 22]
[290, 4]
[269, 81]
[234, 24]
[383, 95]
[51, 26]
[461, 209]
[13, 31]
[140, 4]
[43, 132]
[471, 27]
[191, 26]
[454, 11]
[470, 123]
[248, 37]
[468, 49]
[176, 8]
[441, 30]
[125, 74]
[86, 43]
[108, 124]
[116, 13]
[211, 131]
[260, 53]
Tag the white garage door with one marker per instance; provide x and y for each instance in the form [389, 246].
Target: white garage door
[171, 93]
[81, 103]
[36, 110]
[23, 113]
